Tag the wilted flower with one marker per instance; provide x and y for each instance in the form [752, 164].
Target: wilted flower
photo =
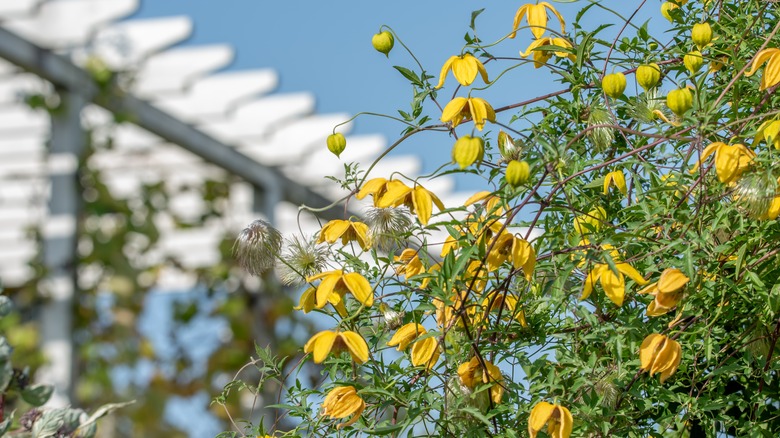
[542, 56]
[341, 402]
[386, 226]
[536, 15]
[730, 160]
[475, 108]
[257, 246]
[301, 258]
[335, 284]
[557, 418]
[659, 354]
[326, 341]
[509, 148]
[667, 291]
[772, 71]
[473, 373]
[464, 68]
[392, 318]
[347, 231]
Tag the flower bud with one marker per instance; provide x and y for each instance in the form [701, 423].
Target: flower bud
[648, 75]
[614, 84]
[679, 101]
[509, 148]
[701, 34]
[693, 61]
[666, 10]
[517, 173]
[467, 150]
[383, 42]
[337, 143]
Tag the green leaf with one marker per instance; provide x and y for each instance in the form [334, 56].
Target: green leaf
[410, 75]
[37, 395]
[474, 16]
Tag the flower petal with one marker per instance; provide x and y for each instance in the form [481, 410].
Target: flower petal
[326, 287]
[422, 203]
[465, 69]
[444, 69]
[614, 286]
[647, 350]
[405, 335]
[632, 273]
[672, 280]
[537, 19]
[539, 416]
[395, 192]
[425, 352]
[320, 344]
[374, 187]
[356, 345]
[452, 111]
[359, 287]
[761, 57]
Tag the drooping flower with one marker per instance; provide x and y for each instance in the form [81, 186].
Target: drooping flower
[730, 160]
[308, 302]
[590, 222]
[771, 75]
[769, 131]
[424, 351]
[335, 284]
[507, 246]
[614, 283]
[326, 341]
[667, 291]
[464, 68]
[536, 15]
[347, 231]
[659, 354]
[257, 246]
[558, 419]
[617, 179]
[506, 303]
[395, 193]
[542, 56]
[473, 374]
[460, 108]
[341, 402]
[411, 264]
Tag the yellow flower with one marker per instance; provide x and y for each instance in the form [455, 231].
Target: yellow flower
[591, 222]
[773, 211]
[507, 246]
[667, 291]
[769, 131]
[659, 354]
[411, 263]
[419, 200]
[464, 68]
[394, 193]
[505, 303]
[730, 160]
[424, 351]
[536, 16]
[326, 341]
[542, 56]
[335, 284]
[557, 418]
[308, 302]
[341, 402]
[617, 178]
[772, 71]
[614, 283]
[347, 231]
[461, 107]
[491, 202]
[472, 374]
[445, 314]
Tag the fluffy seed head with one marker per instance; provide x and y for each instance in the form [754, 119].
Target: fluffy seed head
[387, 226]
[602, 137]
[302, 258]
[755, 192]
[257, 246]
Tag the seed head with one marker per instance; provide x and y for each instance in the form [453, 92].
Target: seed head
[257, 246]
[301, 258]
[755, 192]
[387, 226]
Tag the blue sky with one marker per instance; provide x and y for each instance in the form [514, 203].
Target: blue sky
[325, 48]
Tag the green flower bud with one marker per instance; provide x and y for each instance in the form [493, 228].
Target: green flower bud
[337, 143]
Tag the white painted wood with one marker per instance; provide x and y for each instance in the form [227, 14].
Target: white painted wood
[174, 69]
[68, 23]
[214, 96]
[123, 46]
[259, 118]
